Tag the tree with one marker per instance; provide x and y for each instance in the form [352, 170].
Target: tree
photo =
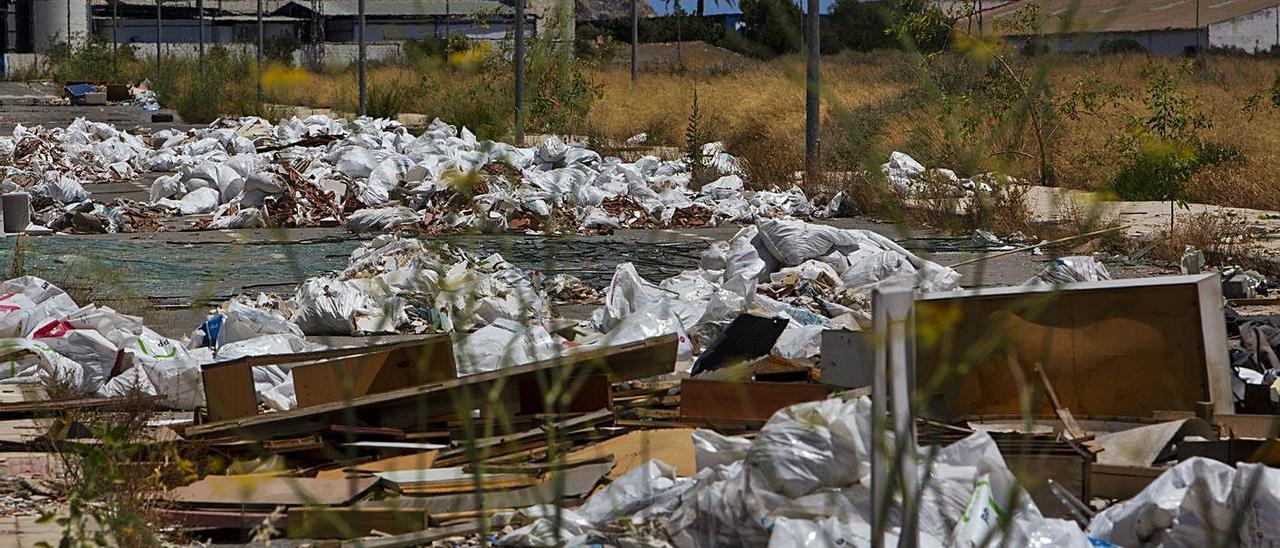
[860, 26]
[773, 24]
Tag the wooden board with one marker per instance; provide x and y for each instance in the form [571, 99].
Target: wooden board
[228, 386]
[228, 390]
[404, 365]
[712, 401]
[413, 408]
[673, 446]
[1125, 348]
[269, 491]
[581, 395]
[310, 522]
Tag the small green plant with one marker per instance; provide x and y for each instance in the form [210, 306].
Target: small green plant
[694, 137]
[387, 102]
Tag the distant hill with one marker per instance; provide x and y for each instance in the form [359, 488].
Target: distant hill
[592, 10]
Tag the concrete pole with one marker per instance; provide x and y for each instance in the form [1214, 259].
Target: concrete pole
[635, 38]
[261, 48]
[159, 32]
[363, 61]
[519, 62]
[813, 81]
[200, 18]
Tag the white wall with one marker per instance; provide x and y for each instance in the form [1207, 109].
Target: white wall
[51, 21]
[1255, 32]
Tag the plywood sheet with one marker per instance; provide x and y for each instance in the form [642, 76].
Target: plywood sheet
[673, 446]
[742, 401]
[270, 491]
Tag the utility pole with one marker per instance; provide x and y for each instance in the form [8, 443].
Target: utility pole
[261, 46]
[812, 83]
[159, 31]
[635, 38]
[68, 22]
[363, 61]
[519, 62]
[200, 17]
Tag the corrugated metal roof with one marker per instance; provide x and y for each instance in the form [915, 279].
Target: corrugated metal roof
[243, 7]
[393, 8]
[1123, 15]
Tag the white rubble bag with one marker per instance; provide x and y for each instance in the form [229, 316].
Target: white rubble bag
[29, 361]
[242, 322]
[636, 492]
[1180, 509]
[326, 306]
[174, 374]
[28, 302]
[1065, 270]
[504, 343]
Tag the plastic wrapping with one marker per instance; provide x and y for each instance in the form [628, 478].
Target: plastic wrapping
[1065, 270]
[649, 488]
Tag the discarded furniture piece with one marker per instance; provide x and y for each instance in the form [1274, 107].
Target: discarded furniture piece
[330, 375]
[1117, 348]
[673, 446]
[414, 406]
[726, 401]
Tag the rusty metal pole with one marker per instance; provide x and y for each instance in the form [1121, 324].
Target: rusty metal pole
[812, 83]
[635, 37]
[519, 66]
[363, 61]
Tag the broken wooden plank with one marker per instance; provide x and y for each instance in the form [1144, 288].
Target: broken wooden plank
[414, 461]
[563, 485]
[418, 538]
[228, 390]
[414, 407]
[728, 401]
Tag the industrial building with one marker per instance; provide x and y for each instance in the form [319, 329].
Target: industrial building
[1167, 27]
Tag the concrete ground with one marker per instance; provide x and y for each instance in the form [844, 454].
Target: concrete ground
[27, 103]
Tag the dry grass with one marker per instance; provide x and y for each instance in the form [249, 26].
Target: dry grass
[1221, 237]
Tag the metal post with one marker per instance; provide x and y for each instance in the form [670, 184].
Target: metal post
[679, 35]
[115, 23]
[200, 18]
[362, 60]
[68, 22]
[519, 62]
[446, 20]
[159, 32]
[635, 38]
[812, 82]
[893, 319]
[261, 47]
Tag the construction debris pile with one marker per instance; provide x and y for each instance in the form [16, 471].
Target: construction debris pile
[374, 175]
[691, 412]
